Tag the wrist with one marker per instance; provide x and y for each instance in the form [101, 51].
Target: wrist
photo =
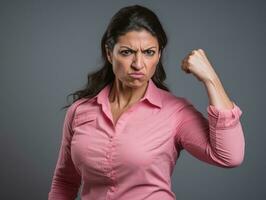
[212, 80]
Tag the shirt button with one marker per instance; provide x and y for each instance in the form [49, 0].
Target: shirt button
[112, 188]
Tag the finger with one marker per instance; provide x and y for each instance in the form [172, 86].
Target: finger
[193, 52]
[184, 63]
[190, 54]
[185, 66]
[203, 54]
[186, 59]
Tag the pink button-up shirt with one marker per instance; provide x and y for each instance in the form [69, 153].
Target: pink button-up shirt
[134, 159]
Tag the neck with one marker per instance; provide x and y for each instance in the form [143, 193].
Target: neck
[122, 96]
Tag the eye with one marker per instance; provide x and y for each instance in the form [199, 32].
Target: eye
[150, 52]
[125, 52]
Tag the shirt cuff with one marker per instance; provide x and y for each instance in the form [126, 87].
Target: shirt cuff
[223, 118]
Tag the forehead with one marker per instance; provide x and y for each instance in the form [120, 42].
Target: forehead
[141, 38]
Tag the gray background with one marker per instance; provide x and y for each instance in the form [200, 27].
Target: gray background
[48, 47]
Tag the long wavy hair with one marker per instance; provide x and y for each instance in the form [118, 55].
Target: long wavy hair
[127, 19]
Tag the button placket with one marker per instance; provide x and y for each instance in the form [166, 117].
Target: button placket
[108, 155]
[111, 174]
[112, 188]
[111, 145]
[110, 148]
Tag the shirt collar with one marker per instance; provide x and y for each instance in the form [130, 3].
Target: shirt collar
[152, 94]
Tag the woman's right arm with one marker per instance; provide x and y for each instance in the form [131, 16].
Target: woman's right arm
[66, 180]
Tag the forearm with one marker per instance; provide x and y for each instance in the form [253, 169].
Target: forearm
[216, 93]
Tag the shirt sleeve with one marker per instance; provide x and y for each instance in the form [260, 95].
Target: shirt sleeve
[66, 179]
[218, 140]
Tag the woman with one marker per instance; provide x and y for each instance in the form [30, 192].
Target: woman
[124, 132]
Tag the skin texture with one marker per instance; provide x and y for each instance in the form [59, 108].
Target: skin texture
[198, 64]
[131, 54]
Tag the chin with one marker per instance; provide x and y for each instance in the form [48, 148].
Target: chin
[137, 83]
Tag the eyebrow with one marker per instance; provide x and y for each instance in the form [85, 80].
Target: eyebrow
[134, 50]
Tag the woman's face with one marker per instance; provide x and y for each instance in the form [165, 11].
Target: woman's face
[134, 52]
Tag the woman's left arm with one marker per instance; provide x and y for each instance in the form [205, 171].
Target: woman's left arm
[198, 64]
[224, 143]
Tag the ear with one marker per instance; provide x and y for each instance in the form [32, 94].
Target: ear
[108, 54]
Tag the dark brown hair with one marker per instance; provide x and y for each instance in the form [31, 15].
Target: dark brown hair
[127, 19]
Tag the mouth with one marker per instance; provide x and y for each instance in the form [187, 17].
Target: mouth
[136, 75]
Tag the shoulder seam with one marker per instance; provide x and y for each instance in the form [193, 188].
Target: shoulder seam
[72, 109]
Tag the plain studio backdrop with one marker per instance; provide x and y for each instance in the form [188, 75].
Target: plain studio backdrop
[48, 47]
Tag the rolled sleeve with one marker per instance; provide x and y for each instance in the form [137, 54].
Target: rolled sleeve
[218, 140]
[223, 118]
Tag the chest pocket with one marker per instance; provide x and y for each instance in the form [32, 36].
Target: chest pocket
[85, 119]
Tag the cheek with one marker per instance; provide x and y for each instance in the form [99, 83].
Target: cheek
[152, 66]
[120, 66]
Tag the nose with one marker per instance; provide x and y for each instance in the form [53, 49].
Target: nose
[138, 61]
